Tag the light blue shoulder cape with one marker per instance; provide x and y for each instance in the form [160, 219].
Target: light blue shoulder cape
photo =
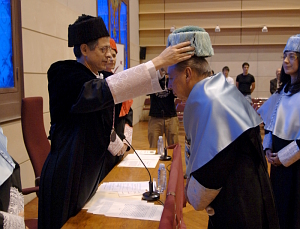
[281, 115]
[215, 114]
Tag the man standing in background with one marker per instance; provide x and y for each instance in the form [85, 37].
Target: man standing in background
[163, 115]
[274, 83]
[245, 82]
[225, 72]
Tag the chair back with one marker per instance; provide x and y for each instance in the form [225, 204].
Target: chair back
[172, 216]
[34, 135]
[147, 103]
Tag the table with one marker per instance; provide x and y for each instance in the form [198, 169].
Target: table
[88, 220]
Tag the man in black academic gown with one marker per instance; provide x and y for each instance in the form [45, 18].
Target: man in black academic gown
[79, 102]
[227, 169]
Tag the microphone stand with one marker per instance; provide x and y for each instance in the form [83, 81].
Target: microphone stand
[151, 195]
[165, 157]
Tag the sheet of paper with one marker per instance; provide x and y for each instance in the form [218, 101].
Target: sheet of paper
[109, 195]
[132, 156]
[131, 160]
[125, 188]
[122, 208]
[135, 211]
[150, 152]
[102, 205]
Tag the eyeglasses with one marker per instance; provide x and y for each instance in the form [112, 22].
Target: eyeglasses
[290, 56]
[104, 49]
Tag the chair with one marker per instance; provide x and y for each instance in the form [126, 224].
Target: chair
[147, 104]
[34, 136]
[258, 102]
[146, 107]
[177, 101]
[172, 216]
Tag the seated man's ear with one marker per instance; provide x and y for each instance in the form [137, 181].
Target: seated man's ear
[83, 49]
[188, 73]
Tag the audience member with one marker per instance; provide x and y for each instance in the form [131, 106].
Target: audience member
[274, 83]
[122, 123]
[225, 72]
[163, 115]
[280, 114]
[11, 198]
[79, 102]
[245, 82]
[227, 169]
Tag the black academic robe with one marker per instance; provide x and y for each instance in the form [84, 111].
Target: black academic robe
[286, 186]
[80, 135]
[246, 198]
[111, 161]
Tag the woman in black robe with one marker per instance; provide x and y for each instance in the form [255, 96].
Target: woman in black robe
[281, 114]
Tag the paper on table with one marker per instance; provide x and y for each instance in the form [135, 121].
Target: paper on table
[135, 211]
[125, 188]
[132, 156]
[131, 160]
[150, 152]
[131, 209]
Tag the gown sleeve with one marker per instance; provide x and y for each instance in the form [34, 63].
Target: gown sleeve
[95, 95]
[206, 182]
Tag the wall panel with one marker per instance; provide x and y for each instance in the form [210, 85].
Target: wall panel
[241, 38]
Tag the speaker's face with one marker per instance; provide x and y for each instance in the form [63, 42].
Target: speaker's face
[177, 82]
[97, 59]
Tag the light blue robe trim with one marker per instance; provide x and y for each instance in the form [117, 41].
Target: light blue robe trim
[6, 163]
[281, 115]
[215, 114]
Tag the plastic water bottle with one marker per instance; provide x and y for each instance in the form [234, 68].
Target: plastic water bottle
[162, 178]
[160, 146]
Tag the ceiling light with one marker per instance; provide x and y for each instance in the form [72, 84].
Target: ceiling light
[264, 29]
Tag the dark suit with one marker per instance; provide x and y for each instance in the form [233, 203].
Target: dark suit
[273, 85]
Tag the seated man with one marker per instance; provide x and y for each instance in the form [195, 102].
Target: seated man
[227, 170]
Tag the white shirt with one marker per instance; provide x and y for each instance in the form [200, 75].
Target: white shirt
[230, 80]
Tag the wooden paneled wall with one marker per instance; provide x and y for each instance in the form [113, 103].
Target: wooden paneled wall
[241, 36]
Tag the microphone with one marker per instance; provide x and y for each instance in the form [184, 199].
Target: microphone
[151, 195]
[165, 157]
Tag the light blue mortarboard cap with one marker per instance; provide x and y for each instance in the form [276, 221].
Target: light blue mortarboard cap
[293, 44]
[199, 39]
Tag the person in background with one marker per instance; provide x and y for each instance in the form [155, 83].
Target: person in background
[275, 83]
[79, 102]
[123, 116]
[163, 115]
[225, 72]
[280, 114]
[11, 197]
[245, 82]
[227, 170]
